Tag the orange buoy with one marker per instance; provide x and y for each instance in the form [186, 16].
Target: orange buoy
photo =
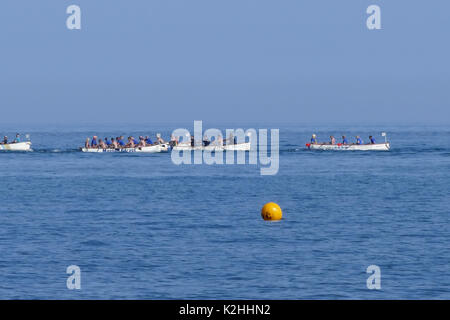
[271, 211]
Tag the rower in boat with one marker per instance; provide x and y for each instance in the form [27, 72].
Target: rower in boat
[217, 141]
[5, 140]
[114, 143]
[17, 139]
[206, 141]
[372, 140]
[313, 139]
[231, 140]
[87, 145]
[173, 141]
[148, 140]
[107, 142]
[94, 143]
[120, 142]
[358, 140]
[141, 142]
[344, 140]
[332, 140]
[159, 140]
[130, 143]
[102, 144]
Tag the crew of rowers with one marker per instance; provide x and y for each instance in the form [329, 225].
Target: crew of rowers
[219, 141]
[119, 142]
[131, 142]
[16, 140]
[344, 140]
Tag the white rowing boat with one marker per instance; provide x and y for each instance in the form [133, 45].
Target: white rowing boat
[149, 149]
[355, 147]
[231, 147]
[21, 146]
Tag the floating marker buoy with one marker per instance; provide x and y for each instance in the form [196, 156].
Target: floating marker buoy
[271, 211]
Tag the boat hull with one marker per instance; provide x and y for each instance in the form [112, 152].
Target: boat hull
[351, 147]
[231, 147]
[21, 146]
[150, 149]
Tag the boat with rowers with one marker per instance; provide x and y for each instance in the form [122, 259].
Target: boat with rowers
[148, 149]
[144, 145]
[214, 144]
[358, 146]
[354, 147]
[16, 144]
[19, 146]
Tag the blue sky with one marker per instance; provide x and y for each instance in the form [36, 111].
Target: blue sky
[251, 60]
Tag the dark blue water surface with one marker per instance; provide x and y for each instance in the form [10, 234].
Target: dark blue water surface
[141, 227]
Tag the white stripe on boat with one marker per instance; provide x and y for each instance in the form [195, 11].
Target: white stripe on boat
[148, 149]
[236, 147]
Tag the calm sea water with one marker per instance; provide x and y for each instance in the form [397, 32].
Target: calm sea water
[141, 227]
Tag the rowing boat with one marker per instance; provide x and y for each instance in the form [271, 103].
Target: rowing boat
[231, 147]
[20, 146]
[355, 147]
[149, 149]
